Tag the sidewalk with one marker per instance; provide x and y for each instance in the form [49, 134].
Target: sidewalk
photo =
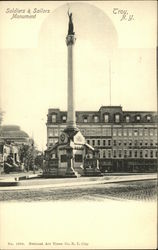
[61, 183]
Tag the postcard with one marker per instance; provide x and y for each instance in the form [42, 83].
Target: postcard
[78, 125]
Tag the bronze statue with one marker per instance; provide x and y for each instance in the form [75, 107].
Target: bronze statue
[71, 26]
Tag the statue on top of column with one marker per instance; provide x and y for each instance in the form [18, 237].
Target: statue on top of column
[71, 26]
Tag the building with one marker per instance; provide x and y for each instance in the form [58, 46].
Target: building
[126, 140]
[13, 133]
[11, 138]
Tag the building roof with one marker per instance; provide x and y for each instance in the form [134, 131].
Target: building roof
[111, 111]
[11, 132]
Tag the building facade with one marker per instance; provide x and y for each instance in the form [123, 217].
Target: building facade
[126, 140]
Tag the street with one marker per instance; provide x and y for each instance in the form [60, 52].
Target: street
[133, 190]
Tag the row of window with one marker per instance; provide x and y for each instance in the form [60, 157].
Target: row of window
[117, 118]
[115, 154]
[115, 143]
[135, 132]
[135, 143]
[99, 142]
[109, 132]
[128, 154]
[108, 142]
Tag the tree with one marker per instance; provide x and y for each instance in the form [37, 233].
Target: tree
[27, 155]
[39, 160]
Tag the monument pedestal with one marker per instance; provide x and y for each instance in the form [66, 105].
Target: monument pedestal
[74, 157]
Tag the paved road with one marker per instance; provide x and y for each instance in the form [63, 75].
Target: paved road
[137, 190]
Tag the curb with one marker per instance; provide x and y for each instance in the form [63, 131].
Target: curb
[17, 185]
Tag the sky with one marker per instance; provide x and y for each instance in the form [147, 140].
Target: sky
[33, 59]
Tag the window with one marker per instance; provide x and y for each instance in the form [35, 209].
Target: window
[55, 132]
[148, 118]
[104, 154]
[50, 132]
[106, 131]
[114, 142]
[145, 131]
[64, 118]
[99, 131]
[98, 142]
[151, 143]
[119, 143]
[130, 132]
[135, 132]
[130, 142]
[106, 118]
[114, 153]
[85, 119]
[125, 143]
[135, 154]
[93, 142]
[135, 143]
[119, 132]
[141, 154]
[96, 119]
[88, 141]
[117, 118]
[54, 118]
[141, 143]
[140, 131]
[146, 153]
[104, 142]
[151, 132]
[127, 118]
[130, 153]
[114, 132]
[125, 153]
[137, 118]
[109, 142]
[120, 153]
[63, 158]
[151, 153]
[146, 143]
[125, 132]
[109, 154]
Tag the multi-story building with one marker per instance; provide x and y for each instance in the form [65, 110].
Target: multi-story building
[126, 140]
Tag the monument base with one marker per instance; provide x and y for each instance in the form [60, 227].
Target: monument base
[71, 157]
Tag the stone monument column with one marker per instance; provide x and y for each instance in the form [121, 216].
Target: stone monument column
[70, 41]
[71, 147]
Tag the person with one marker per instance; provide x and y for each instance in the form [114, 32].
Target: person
[8, 164]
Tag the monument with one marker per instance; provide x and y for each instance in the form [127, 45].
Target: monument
[71, 156]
